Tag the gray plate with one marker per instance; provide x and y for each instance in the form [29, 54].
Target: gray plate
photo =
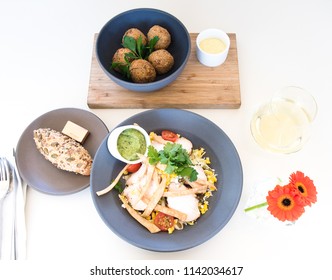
[224, 159]
[40, 173]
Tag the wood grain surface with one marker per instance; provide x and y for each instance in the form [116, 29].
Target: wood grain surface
[197, 87]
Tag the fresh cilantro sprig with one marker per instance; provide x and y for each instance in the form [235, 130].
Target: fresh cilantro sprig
[138, 51]
[122, 67]
[118, 187]
[175, 158]
[150, 47]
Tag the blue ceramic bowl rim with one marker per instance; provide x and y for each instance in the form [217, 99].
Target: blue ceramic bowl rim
[142, 87]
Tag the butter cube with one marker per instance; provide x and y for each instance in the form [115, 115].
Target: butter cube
[75, 131]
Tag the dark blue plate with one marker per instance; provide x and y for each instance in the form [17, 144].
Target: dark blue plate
[224, 159]
[110, 37]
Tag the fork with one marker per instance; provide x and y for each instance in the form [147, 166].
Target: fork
[5, 188]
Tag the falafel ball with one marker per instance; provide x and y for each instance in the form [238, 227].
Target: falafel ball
[163, 35]
[136, 33]
[161, 60]
[142, 71]
[119, 57]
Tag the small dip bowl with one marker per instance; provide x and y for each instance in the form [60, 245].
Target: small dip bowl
[212, 47]
[124, 142]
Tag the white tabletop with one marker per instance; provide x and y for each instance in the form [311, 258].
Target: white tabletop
[45, 58]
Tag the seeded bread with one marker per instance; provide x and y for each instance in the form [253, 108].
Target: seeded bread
[62, 151]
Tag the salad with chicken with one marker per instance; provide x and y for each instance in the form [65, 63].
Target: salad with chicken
[170, 188]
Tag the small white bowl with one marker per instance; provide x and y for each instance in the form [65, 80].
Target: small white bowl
[208, 58]
[113, 140]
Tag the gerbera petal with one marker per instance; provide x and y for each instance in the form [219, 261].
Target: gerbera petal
[283, 205]
[305, 187]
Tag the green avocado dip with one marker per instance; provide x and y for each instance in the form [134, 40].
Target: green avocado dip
[130, 143]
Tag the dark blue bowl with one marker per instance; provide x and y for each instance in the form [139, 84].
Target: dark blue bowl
[110, 36]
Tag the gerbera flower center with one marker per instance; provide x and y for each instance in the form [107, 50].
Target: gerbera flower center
[286, 202]
[301, 188]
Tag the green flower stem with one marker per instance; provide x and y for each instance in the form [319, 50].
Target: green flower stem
[255, 206]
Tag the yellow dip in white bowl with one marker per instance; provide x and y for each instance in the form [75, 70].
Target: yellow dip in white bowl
[212, 46]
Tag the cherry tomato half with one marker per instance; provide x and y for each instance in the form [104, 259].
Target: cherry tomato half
[169, 135]
[163, 221]
[133, 167]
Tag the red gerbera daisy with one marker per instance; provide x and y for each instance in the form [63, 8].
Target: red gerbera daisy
[283, 204]
[305, 186]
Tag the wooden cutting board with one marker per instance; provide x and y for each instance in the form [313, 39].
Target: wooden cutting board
[197, 86]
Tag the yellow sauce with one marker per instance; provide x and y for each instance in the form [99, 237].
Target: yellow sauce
[212, 45]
